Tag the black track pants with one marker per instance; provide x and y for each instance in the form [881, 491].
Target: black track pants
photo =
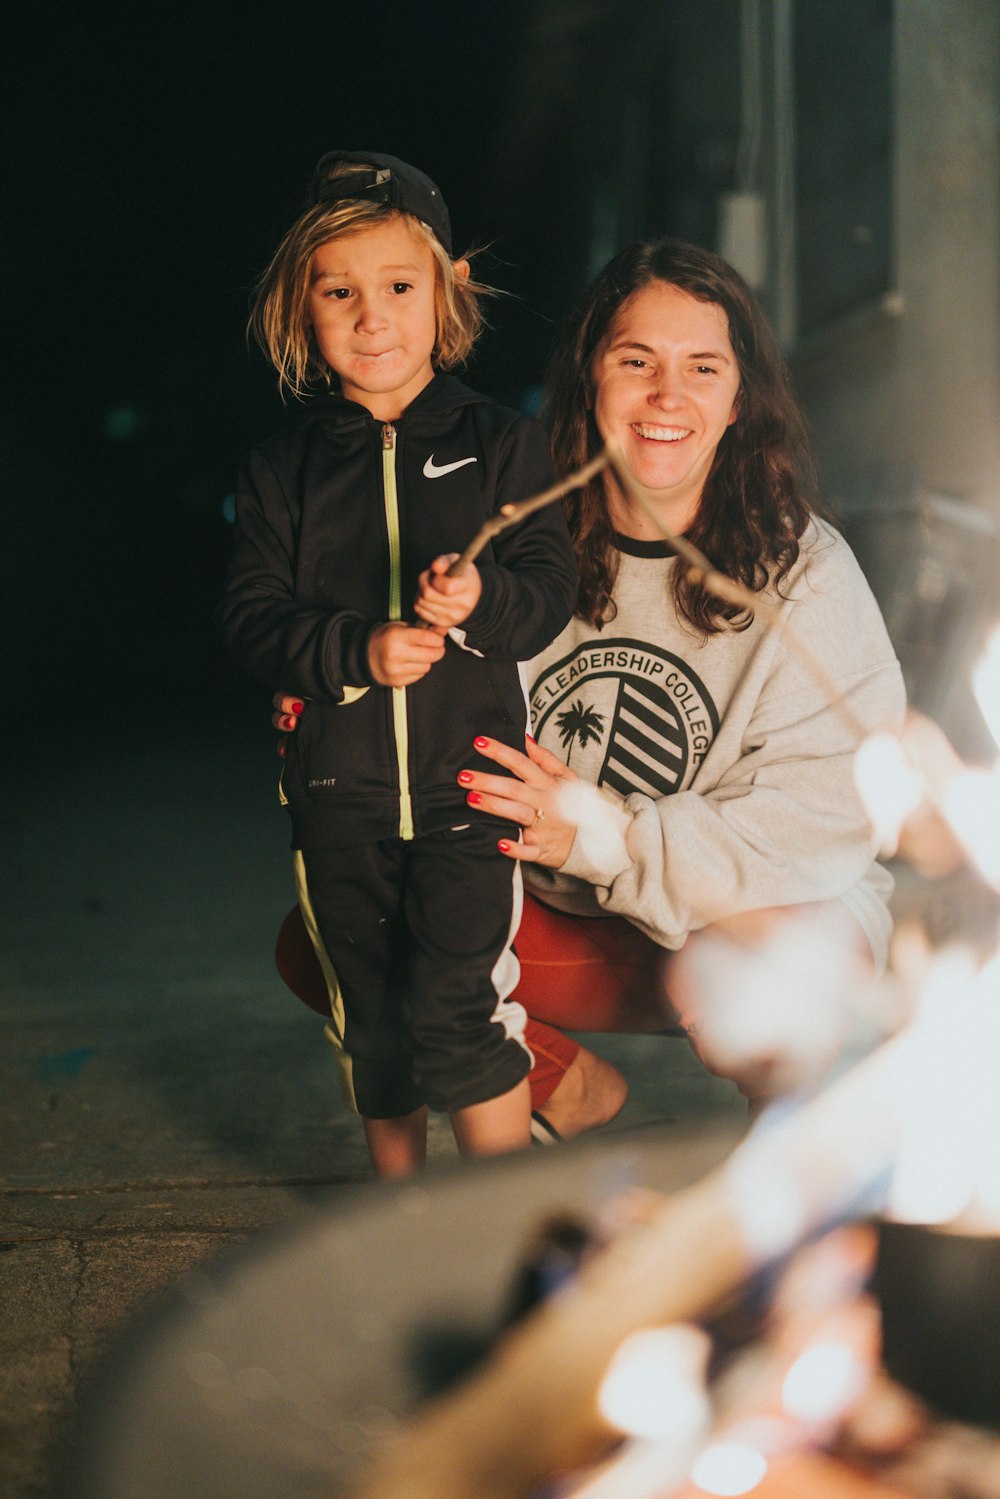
[415, 940]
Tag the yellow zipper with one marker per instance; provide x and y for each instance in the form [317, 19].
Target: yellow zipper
[395, 613]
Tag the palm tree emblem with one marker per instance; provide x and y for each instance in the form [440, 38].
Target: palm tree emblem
[579, 723]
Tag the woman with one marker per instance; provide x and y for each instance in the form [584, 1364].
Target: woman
[688, 769]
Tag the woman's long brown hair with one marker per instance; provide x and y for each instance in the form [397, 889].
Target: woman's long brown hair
[761, 489]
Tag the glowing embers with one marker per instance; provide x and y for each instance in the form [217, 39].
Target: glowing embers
[822, 1382]
[971, 804]
[947, 1159]
[729, 1468]
[920, 798]
[891, 787]
[655, 1386]
[781, 1394]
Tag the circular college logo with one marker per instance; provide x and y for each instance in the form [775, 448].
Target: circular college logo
[626, 715]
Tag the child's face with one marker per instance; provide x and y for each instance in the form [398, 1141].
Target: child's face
[665, 389]
[373, 311]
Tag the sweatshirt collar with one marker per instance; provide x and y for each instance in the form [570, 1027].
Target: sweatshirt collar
[633, 547]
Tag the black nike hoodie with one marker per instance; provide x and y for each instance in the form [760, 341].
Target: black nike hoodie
[336, 516]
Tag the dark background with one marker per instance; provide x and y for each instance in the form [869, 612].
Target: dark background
[154, 156]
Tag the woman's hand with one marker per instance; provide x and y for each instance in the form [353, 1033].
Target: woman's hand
[532, 798]
[287, 712]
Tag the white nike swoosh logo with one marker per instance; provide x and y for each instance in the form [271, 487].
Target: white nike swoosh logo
[434, 470]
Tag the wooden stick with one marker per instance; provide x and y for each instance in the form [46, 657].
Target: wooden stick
[513, 514]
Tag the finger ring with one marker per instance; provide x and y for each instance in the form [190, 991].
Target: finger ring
[538, 817]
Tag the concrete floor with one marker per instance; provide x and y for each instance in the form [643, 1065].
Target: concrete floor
[161, 1094]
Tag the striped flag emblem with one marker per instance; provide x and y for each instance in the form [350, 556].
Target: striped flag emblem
[648, 745]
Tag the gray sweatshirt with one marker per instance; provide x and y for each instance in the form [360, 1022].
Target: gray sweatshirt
[725, 771]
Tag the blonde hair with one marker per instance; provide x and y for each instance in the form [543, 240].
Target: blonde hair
[279, 318]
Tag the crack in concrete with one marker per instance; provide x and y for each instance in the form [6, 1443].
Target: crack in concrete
[145, 1235]
[196, 1184]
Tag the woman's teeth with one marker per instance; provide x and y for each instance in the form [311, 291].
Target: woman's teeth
[661, 434]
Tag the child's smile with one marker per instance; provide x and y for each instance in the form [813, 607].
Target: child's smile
[373, 312]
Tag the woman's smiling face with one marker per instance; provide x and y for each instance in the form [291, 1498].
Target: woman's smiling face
[666, 382]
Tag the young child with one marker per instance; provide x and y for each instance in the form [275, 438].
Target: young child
[347, 521]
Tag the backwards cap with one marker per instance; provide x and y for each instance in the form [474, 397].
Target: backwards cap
[383, 179]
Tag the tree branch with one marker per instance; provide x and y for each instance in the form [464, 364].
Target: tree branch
[513, 514]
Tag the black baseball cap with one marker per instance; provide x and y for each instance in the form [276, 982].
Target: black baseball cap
[383, 179]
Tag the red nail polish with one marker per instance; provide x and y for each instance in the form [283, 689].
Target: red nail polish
[530, 737]
[465, 776]
[286, 722]
[480, 742]
[282, 749]
[473, 798]
[503, 846]
[297, 707]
